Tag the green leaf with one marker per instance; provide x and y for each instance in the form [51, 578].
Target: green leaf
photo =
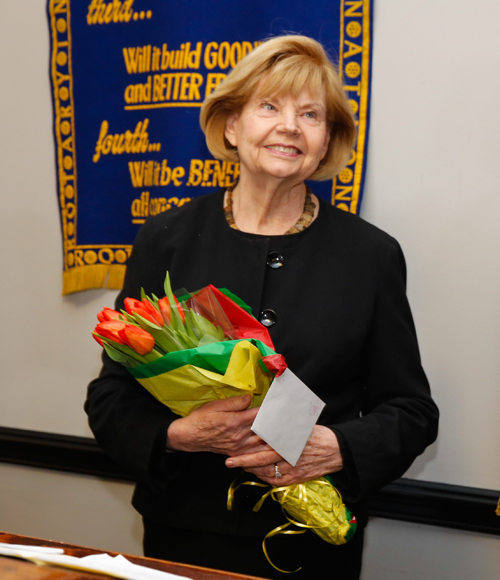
[120, 357]
[145, 324]
[191, 330]
[130, 352]
[175, 317]
[206, 327]
[129, 317]
[166, 340]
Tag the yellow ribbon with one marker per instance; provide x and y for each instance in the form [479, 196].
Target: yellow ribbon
[303, 501]
[275, 532]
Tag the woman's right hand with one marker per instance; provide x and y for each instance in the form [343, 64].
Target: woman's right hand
[221, 426]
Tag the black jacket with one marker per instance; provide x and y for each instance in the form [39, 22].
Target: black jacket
[342, 322]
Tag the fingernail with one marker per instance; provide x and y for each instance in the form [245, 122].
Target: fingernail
[229, 463]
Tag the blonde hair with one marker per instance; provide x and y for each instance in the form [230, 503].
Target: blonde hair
[285, 65]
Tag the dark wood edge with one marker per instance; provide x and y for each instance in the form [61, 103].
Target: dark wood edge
[409, 500]
[176, 568]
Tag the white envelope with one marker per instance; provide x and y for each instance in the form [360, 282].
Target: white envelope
[287, 416]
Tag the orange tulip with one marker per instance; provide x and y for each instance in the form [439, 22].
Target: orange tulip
[109, 314]
[144, 309]
[138, 339]
[111, 329]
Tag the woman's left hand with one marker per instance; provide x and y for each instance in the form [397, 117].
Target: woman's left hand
[321, 456]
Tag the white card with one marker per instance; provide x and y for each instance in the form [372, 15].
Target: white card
[287, 416]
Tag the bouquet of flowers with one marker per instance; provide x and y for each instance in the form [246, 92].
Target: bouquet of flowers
[203, 346]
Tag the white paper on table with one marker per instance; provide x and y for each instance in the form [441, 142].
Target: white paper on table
[7, 549]
[287, 416]
[117, 566]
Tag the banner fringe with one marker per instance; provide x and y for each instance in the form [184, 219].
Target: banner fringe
[91, 277]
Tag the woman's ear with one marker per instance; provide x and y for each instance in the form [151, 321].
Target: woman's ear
[230, 131]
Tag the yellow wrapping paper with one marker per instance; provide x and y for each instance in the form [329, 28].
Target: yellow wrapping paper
[188, 387]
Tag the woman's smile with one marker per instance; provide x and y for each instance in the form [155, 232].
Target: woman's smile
[286, 149]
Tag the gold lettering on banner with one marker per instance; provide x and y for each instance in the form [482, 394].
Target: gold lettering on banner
[213, 81]
[183, 88]
[225, 55]
[145, 206]
[128, 142]
[155, 173]
[353, 49]
[137, 59]
[60, 6]
[354, 5]
[100, 12]
[211, 173]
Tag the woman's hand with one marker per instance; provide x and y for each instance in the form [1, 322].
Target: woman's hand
[321, 456]
[221, 426]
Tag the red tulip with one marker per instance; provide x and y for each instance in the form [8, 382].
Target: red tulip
[111, 329]
[180, 309]
[109, 314]
[164, 306]
[138, 339]
[165, 309]
[153, 312]
[144, 309]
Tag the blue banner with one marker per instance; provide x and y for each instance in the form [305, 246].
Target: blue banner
[128, 80]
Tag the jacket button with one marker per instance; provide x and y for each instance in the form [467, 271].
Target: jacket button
[268, 317]
[275, 260]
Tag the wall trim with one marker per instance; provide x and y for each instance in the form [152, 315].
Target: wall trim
[410, 500]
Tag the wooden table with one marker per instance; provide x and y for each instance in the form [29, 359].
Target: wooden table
[15, 569]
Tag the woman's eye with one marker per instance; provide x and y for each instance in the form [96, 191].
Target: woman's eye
[311, 115]
[268, 107]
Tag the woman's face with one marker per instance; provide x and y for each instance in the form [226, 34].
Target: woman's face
[280, 137]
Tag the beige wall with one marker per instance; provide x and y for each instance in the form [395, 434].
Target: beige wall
[432, 181]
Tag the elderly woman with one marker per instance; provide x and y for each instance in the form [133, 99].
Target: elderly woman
[331, 290]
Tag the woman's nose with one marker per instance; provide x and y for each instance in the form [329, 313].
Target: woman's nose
[289, 122]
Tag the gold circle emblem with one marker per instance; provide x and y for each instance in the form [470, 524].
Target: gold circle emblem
[70, 229]
[68, 162]
[352, 70]
[353, 29]
[345, 175]
[71, 259]
[69, 191]
[354, 105]
[65, 128]
[121, 256]
[90, 257]
[62, 58]
[64, 93]
[61, 25]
